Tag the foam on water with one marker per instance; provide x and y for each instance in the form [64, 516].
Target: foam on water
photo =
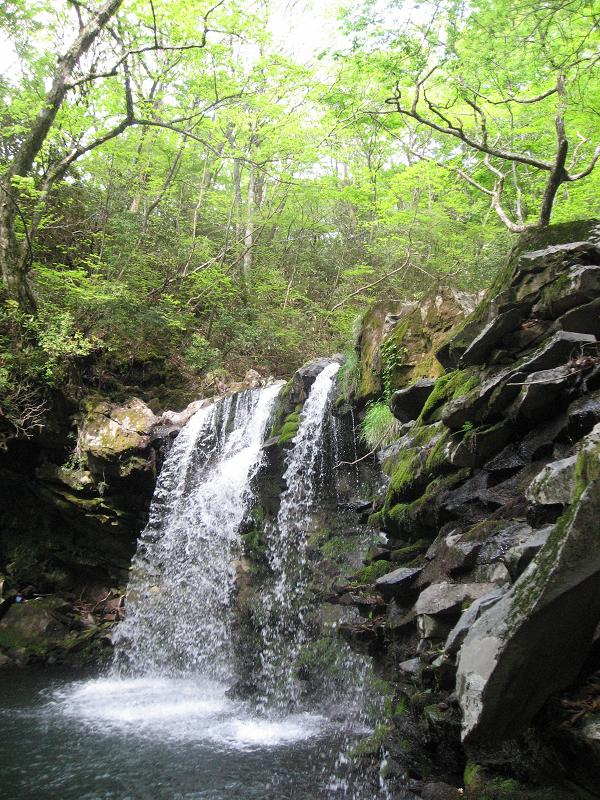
[178, 709]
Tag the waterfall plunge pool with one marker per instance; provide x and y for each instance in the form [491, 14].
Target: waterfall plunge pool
[74, 737]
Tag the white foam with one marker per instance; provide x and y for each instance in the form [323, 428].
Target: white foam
[166, 709]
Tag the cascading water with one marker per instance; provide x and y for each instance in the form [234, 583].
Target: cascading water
[175, 659]
[283, 625]
[179, 595]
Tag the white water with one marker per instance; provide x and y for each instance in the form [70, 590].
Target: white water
[179, 596]
[180, 710]
[283, 627]
[173, 656]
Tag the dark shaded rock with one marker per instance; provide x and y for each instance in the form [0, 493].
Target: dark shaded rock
[508, 667]
[574, 287]
[540, 389]
[480, 444]
[406, 404]
[399, 583]
[583, 319]
[537, 443]
[304, 378]
[518, 557]
[583, 414]
[440, 791]
[491, 335]
[488, 400]
[537, 260]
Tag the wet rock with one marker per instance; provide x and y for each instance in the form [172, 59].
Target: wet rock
[554, 484]
[32, 624]
[175, 420]
[399, 583]
[540, 389]
[508, 666]
[583, 414]
[304, 378]
[406, 404]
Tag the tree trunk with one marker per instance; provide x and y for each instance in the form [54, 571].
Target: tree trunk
[249, 233]
[14, 268]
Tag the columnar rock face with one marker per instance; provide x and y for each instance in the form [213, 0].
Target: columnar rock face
[397, 341]
[490, 573]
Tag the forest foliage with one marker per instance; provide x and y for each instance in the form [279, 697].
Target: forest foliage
[205, 200]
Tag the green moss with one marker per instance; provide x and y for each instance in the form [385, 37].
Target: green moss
[449, 387]
[348, 379]
[372, 745]
[409, 553]
[370, 574]
[393, 355]
[472, 774]
[290, 427]
[281, 407]
[338, 547]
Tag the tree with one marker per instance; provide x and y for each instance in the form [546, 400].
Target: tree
[112, 58]
[484, 88]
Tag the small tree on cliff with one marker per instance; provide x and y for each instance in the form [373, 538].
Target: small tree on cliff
[506, 95]
[95, 71]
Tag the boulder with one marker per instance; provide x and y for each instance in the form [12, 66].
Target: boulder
[459, 632]
[32, 624]
[583, 319]
[543, 260]
[448, 598]
[491, 335]
[554, 484]
[583, 414]
[510, 662]
[518, 557]
[110, 435]
[398, 583]
[406, 404]
[175, 420]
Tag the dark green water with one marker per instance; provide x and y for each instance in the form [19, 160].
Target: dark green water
[72, 737]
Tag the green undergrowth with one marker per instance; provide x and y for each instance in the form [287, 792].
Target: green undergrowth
[379, 427]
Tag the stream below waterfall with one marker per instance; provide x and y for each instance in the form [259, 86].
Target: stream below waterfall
[65, 737]
[166, 719]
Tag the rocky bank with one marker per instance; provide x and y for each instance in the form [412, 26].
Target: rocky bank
[484, 592]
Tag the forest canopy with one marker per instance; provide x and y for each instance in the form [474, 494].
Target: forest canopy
[191, 188]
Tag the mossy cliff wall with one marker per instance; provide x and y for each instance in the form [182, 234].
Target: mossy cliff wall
[485, 588]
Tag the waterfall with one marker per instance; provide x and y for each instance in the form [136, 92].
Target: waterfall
[179, 596]
[175, 676]
[283, 627]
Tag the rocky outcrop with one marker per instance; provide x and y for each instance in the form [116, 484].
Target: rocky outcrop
[489, 578]
[397, 341]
